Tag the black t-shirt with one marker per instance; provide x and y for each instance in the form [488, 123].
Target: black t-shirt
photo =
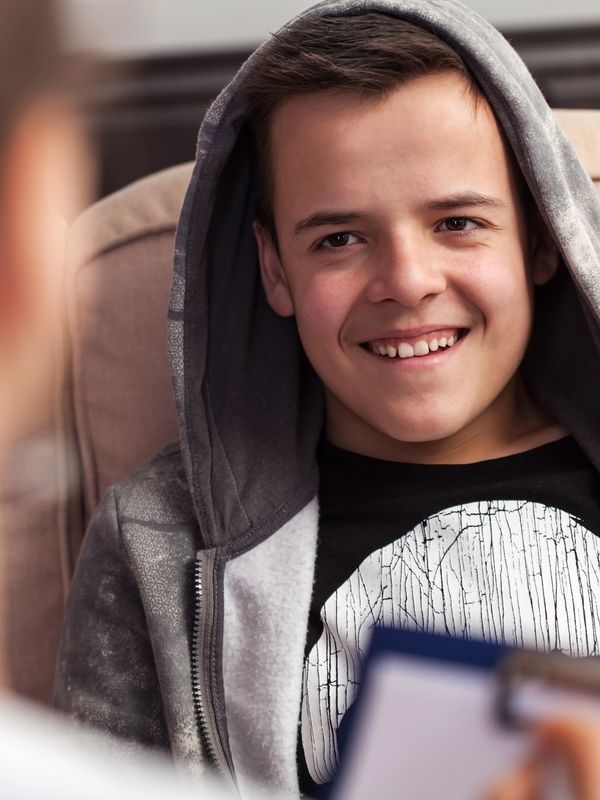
[504, 550]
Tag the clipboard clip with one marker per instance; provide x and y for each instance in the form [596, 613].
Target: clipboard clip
[522, 669]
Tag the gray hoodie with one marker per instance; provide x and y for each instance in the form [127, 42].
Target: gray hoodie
[187, 619]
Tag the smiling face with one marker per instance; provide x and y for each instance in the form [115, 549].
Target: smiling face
[403, 254]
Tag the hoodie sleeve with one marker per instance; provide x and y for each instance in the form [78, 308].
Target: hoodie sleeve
[106, 676]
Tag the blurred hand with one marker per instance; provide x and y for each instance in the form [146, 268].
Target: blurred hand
[566, 748]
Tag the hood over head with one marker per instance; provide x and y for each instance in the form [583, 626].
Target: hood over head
[250, 407]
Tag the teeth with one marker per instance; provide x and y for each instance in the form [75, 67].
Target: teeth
[421, 348]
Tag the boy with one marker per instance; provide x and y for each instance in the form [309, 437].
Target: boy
[350, 321]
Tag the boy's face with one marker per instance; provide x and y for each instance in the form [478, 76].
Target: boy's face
[401, 232]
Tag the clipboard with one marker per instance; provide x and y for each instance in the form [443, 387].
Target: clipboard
[438, 716]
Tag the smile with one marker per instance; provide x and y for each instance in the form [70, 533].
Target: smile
[415, 347]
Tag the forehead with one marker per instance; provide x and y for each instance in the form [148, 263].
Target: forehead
[428, 133]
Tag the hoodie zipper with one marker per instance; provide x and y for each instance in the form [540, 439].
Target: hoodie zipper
[204, 663]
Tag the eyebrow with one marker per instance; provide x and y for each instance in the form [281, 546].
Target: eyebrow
[321, 218]
[466, 199]
[471, 199]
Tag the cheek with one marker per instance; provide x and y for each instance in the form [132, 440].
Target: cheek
[505, 301]
[503, 292]
[321, 307]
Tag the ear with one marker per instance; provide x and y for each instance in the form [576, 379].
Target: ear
[544, 254]
[44, 180]
[33, 235]
[271, 271]
[40, 178]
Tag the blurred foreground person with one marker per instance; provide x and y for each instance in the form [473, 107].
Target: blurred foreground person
[44, 180]
[383, 420]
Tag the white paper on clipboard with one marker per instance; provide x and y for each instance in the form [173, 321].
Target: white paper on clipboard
[429, 729]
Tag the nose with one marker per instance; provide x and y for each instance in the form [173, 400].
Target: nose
[406, 271]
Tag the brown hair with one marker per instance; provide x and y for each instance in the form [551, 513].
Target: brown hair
[29, 55]
[371, 53]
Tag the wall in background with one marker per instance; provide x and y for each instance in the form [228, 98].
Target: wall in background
[145, 105]
[135, 27]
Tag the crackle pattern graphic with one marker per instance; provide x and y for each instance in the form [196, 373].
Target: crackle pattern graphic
[505, 571]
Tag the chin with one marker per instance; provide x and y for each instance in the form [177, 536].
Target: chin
[424, 431]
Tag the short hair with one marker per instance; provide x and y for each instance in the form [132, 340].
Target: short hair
[371, 53]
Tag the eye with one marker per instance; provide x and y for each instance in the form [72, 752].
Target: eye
[458, 224]
[337, 240]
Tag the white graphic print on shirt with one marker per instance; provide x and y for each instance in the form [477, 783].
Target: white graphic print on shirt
[504, 571]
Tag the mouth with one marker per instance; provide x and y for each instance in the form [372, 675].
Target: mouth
[415, 346]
